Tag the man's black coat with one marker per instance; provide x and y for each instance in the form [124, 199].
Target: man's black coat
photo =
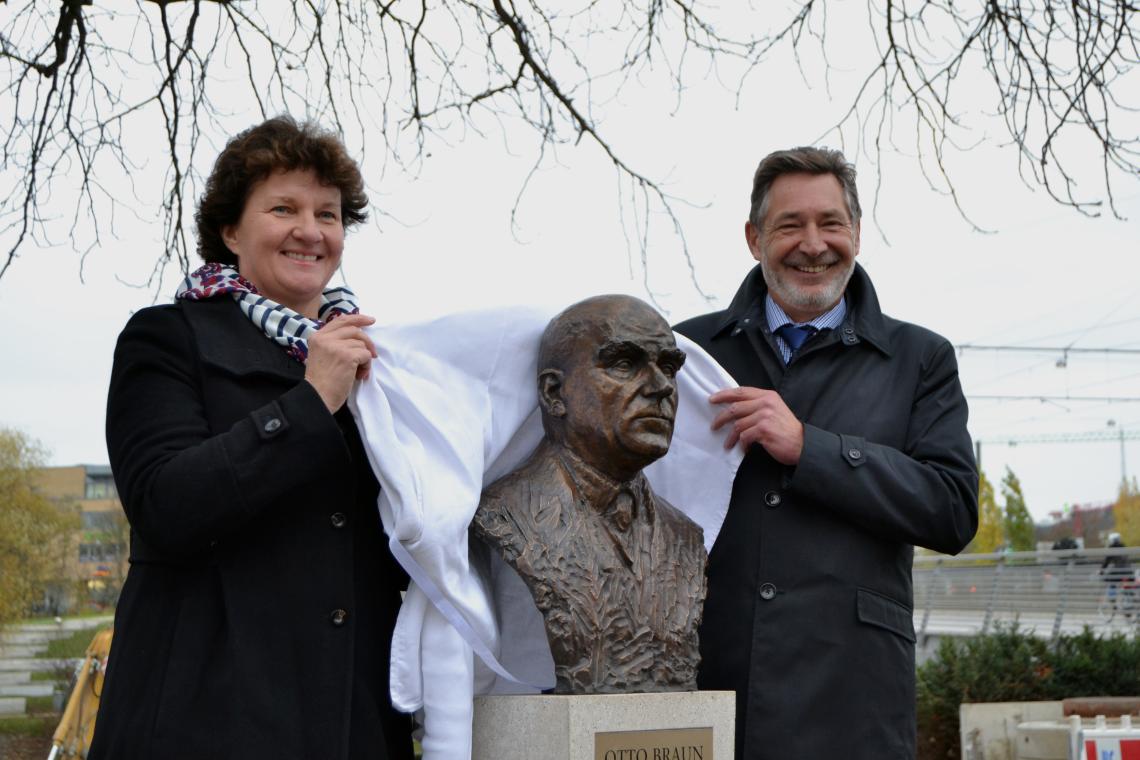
[256, 617]
[809, 616]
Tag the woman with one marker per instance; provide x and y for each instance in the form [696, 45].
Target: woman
[258, 612]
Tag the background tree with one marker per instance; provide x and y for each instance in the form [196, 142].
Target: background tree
[991, 533]
[113, 540]
[35, 532]
[1127, 512]
[1017, 522]
[82, 80]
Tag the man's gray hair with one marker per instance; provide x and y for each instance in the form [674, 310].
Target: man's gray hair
[803, 160]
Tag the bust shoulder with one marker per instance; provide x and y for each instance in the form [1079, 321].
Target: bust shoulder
[514, 509]
[678, 523]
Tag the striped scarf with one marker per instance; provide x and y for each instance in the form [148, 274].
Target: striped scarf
[279, 323]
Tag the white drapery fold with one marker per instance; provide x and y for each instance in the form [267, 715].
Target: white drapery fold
[452, 405]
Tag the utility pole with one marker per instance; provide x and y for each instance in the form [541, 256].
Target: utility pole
[1123, 467]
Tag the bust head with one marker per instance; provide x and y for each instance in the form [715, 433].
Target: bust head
[607, 383]
[616, 572]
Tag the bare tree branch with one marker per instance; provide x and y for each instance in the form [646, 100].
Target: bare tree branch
[80, 81]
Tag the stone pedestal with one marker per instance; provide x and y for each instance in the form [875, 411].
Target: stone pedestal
[695, 725]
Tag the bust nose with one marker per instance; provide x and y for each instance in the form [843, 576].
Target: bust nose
[657, 384]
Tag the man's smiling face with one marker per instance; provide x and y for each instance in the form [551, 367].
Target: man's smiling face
[806, 244]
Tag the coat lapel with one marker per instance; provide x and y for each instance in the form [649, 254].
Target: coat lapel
[742, 342]
[228, 341]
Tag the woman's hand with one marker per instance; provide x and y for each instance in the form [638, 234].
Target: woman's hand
[339, 353]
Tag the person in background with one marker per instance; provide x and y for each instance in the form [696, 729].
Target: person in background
[1116, 570]
[256, 616]
[854, 428]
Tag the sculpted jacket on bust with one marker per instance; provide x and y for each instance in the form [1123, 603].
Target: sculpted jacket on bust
[617, 573]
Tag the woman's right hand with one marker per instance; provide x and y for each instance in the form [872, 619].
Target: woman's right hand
[339, 353]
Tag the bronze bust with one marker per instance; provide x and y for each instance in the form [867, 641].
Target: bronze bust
[617, 573]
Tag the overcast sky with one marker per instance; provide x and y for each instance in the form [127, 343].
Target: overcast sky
[1046, 276]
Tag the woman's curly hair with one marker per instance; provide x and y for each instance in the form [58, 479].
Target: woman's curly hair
[279, 144]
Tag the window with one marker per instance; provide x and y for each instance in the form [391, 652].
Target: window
[99, 521]
[100, 486]
[99, 552]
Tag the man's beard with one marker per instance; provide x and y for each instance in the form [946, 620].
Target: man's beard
[813, 301]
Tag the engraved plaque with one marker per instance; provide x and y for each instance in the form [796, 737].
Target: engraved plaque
[659, 744]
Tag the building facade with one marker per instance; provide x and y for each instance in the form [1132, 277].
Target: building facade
[97, 562]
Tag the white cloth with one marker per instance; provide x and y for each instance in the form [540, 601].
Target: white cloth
[451, 406]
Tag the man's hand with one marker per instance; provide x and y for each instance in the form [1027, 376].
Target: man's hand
[339, 353]
[760, 416]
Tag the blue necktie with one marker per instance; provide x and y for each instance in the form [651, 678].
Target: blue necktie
[794, 336]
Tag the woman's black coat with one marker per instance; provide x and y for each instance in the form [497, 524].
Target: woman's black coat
[809, 609]
[257, 615]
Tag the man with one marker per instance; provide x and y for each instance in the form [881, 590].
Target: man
[617, 573]
[1116, 571]
[854, 426]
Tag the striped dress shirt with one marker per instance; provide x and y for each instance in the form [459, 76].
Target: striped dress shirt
[829, 320]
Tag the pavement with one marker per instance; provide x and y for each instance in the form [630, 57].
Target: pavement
[21, 650]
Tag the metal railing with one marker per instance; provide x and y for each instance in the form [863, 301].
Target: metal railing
[1044, 592]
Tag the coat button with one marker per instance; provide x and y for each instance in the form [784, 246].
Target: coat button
[849, 330]
[337, 617]
[855, 454]
[338, 519]
[772, 499]
[272, 425]
[768, 592]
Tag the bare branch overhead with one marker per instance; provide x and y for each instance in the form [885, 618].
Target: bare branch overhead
[82, 81]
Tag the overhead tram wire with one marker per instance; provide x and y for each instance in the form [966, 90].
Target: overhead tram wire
[1095, 436]
[1045, 398]
[1064, 351]
[1061, 363]
[963, 347]
[1080, 332]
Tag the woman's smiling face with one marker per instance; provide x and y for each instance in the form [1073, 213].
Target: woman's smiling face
[289, 238]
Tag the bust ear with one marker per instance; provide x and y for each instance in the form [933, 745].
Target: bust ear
[550, 393]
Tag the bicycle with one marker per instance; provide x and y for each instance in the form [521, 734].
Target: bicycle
[1120, 596]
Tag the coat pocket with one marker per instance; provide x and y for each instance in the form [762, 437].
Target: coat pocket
[876, 609]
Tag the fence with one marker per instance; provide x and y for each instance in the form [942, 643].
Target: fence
[1045, 592]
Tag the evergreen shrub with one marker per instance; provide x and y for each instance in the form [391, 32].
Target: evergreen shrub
[1012, 666]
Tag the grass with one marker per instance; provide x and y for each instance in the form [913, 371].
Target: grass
[40, 719]
[36, 705]
[71, 616]
[74, 645]
[28, 725]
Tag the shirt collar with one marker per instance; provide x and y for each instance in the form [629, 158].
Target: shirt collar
[863, 313]
[598, 489]
[829, 320]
